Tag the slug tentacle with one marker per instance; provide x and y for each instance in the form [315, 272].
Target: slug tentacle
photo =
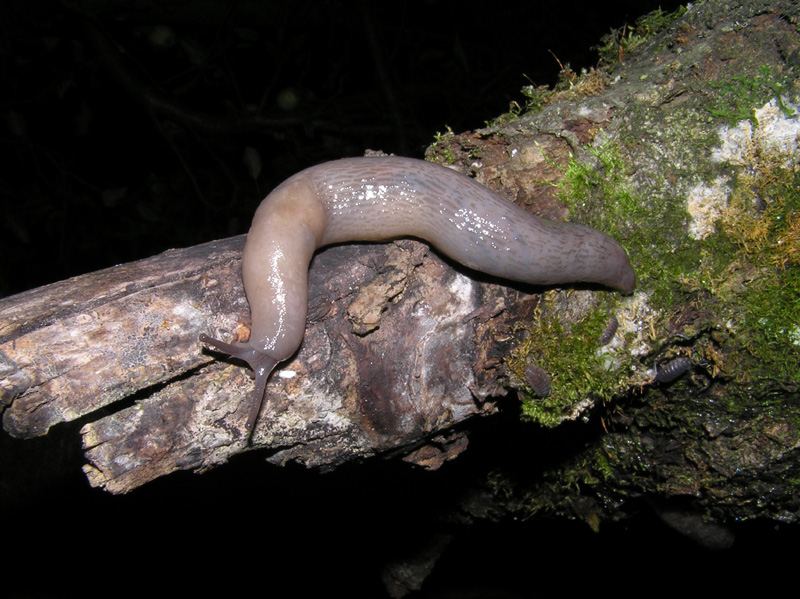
[262, 366]
[262, 369]
[240, 351]
[377, 199]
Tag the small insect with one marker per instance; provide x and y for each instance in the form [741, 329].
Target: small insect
[673, 369]
[610, 330]
[538, 380]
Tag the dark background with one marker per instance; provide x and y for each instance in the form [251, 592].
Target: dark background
[124, 125]
[124, 129]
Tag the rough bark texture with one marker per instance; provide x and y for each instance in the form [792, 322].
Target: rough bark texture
[397, 349]
[686, 151]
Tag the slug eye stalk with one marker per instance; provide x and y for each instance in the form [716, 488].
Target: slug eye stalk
[262, 366]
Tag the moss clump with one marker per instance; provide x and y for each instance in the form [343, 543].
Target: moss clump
[536, 96]
[744, 280]
[618, 44]
[763, 220]
[439, 151]
[736, 98]
[648, 229]
[569, 354]
[583, 374]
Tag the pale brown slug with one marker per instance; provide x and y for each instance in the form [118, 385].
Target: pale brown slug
[376, 199]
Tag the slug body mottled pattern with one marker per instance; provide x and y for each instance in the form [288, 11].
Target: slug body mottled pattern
[376, 199]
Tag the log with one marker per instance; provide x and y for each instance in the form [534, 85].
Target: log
[684, 396]
[395, 353]
[685, 151]
[79, 345]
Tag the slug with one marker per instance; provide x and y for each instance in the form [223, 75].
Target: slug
[377, 199]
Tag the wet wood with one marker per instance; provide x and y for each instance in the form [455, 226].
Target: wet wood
[74, 347]
[398, 349]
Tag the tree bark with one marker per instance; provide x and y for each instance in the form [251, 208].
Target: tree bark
[397, 351]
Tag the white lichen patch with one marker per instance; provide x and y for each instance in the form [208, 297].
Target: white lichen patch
[776, 134]
[794, 335]
[634, 336]
[705, 205]
[462, 287]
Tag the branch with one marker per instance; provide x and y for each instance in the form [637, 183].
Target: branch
[391, 358]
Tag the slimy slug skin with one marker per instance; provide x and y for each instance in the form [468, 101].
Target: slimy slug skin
[381, 198]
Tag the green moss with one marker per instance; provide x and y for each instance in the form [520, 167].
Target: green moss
[601, 465]
[621, 42]
[569, 85]
[580, 372]
[744, 281]
[773, 321]
[737, 98]
[767, 308]
[535, 98]
[439, 151]
[648, 228]
[570, 356]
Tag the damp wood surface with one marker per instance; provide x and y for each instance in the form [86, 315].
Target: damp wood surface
[391, 356]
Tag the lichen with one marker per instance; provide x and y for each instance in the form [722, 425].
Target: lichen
[735, 290]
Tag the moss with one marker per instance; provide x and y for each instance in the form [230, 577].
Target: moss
[744, 280]
[582, 373]
[439, 151]
[747, 280]
[535, 98]
[612, 49]
[601, 464]
[618, 44]
[737, 97]
[767, 308]
[569, 354]
[647, 228]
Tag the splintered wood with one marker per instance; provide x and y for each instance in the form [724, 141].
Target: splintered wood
[118, 349]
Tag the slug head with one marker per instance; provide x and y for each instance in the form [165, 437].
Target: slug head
[262, 366]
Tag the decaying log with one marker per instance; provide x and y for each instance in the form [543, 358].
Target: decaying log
[395, 352]
[688, 154]
[79, 345]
